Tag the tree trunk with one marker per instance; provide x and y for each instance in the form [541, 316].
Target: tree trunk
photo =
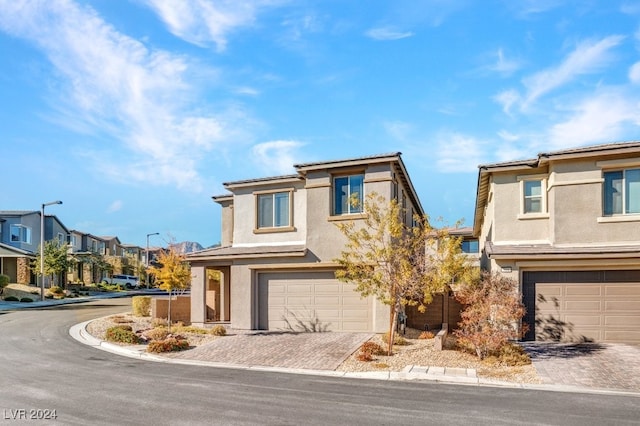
[392, 330]
[169, 312]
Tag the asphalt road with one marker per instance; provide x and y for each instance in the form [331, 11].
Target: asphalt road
[42, 368]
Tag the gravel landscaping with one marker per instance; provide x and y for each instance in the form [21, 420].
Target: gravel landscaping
[420, 352]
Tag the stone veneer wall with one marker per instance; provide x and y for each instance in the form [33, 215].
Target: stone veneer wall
[24, 272]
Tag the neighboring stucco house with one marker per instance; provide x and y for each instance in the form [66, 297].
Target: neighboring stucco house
[20, 240]
[274, 269]
[566, 227]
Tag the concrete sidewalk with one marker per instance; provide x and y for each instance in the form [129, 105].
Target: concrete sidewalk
[13, 306]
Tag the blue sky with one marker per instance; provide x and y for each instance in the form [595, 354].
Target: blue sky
[133, 113]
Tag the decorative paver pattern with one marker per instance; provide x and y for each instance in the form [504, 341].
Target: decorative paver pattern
[318, 351]
[593, 365]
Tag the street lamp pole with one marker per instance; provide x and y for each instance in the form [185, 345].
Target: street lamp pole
[147, 257]
[42, 245]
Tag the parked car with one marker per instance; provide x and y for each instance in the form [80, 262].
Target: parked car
[128, 281]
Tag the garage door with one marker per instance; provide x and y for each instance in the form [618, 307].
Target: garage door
[313, 301]
[602, 311]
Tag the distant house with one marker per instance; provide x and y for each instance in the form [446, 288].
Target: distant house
[274, 269]
[20, 241]
[566, 227]
[87, 250]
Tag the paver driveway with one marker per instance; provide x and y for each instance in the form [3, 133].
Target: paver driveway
[592, 365]
[319, 351]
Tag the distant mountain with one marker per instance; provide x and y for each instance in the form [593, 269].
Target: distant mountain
[187, 247]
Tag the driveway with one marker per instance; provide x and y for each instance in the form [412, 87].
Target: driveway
[317, 351]
[612, 366]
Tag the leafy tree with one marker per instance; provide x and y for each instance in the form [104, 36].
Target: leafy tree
[56, 260]
[398, 263]
[4, 281]
[492, 316]
[173, 273]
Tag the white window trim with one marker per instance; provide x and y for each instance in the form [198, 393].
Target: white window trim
[544, 213]
[27, 233]
[349, 214]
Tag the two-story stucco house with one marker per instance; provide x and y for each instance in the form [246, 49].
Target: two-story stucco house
[275, 268]
[566, 226]
[20, 240]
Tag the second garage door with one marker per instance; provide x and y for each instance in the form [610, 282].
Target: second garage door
[310, 300]
[601, 311]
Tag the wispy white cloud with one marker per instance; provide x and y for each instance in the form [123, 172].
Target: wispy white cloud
[387, 33]
[599, 118]
[503, 65]
[398, 130]
[123, 91]
[634, 73]
[527, 8]
[588, 57]
[202, 22]
[276, 156]
[115, 206]
[508, 136]
[507, 99]
[457, 152]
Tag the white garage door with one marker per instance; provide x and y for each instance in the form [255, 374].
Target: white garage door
[602, 312]
[312, 301]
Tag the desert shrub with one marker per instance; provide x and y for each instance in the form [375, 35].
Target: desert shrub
[57, 290]
[159, 322]
[426, 335]
[218, 330]
[492, 314]
[188, 329]
[364, 356]
[141, 306]
[26, 300]
[121, 334]
[372, 348]
[397, 339]
[169, 344]
[513, 355]
[158, 333]
[4, 281]
[11, 299]
[381, 365]
[120, 319]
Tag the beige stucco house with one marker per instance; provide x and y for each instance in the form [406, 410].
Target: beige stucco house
[274, 269]
[566, 227]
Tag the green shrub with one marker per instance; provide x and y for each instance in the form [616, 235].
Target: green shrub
[141, 306]
[121, 334]
[158, 333]
[4, 281]
[57, 290]
[188, 329]
[11, 299]
[372, 348]
[170, 344]
[26, 300]
[218, 330]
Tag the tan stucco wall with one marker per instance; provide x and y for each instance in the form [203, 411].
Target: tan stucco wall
[244, 216]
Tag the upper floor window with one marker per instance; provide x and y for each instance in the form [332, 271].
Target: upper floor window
[622, 192]
[348, 194]
[470, 246]
[20, 234]
[274, 210]
[533, 202]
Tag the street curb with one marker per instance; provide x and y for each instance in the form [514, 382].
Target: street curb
[80, 333]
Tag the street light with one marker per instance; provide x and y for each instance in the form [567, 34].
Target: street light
[147, 257]
[42, 246]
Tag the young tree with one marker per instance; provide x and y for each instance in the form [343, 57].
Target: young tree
[56, 260]
[492, 316]
[174, 273]
[399, 264]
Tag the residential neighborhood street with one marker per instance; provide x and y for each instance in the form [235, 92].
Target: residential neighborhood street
[43, 368]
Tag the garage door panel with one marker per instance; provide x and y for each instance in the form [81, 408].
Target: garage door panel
[624, 291]
[311, 298]
[618, 305]
[583, 290]
[573, 311]
[583, 305]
